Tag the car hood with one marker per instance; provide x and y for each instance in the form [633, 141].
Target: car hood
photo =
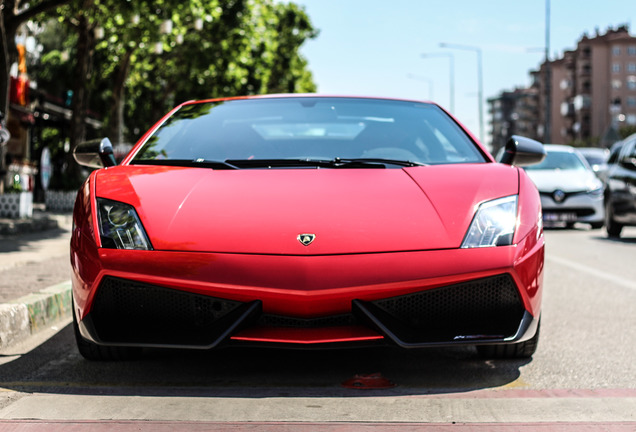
[566, 180]
[263, 211]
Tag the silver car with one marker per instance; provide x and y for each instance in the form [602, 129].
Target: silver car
[570, 191]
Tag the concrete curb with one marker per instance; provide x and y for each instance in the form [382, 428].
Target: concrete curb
[39, 222]
[21, 318]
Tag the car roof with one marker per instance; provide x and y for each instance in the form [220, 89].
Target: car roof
[559, 148]
[591, 150]
[306, 95]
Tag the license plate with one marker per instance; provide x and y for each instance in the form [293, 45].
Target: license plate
[559, 217]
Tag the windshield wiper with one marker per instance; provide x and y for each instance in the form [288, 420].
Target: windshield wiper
[195, 163]
[320, 163]
[277, 163]
[398, 162]
[317, 163]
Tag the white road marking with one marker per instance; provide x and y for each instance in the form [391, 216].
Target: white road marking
[612, 278]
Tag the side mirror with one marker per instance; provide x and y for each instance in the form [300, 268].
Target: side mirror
[522, 151]
[95, 154]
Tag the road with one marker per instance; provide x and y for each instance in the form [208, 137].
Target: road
[583, 376]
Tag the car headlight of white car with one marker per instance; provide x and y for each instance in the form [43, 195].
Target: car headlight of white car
[595, 187]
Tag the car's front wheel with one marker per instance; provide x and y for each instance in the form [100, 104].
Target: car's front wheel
[518, 350]
[613, 228]
[91, 351]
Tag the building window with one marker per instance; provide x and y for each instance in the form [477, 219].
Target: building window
[616, 84]
[631, 67]
[631, 50]
[631, 119]
[616, 50]
[631, 82]
[631, 101]
[616, 67]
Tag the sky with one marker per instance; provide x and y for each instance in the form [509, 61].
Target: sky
[375, 47]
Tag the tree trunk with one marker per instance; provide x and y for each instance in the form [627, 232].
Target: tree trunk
[82, 77]
[116, 126]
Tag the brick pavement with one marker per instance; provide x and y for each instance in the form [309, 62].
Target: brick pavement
[34, 261]
[32, 277]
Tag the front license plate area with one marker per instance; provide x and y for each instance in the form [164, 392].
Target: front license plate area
[559, 217]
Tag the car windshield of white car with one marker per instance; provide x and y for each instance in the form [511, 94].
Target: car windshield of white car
[559, 160]
[316, 132]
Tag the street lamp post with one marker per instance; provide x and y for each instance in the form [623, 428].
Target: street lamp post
[480, 81]
[451, 75]
[547, 134]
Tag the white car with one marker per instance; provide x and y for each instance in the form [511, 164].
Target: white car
[570, 191]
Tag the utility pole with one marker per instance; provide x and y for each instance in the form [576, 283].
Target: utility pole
[480, 81]
[547, 132]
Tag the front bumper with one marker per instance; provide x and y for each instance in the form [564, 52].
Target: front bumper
[485, 310]
[576, 207]
[412, 299]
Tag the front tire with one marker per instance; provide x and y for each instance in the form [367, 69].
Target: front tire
[520, 350]
[612, 227]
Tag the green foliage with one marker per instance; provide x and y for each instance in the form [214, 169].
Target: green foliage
[53, 71]
[589, 142]
[626, 131]
[214, 48]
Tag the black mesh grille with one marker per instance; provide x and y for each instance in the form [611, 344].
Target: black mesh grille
[489, 306]
[126, 311]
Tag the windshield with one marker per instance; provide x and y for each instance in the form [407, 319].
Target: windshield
[595, 158]
[310, 128]
[559, 160]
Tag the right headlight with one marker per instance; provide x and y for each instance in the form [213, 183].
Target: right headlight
[494, 224]
[595, 187]
[120, 227]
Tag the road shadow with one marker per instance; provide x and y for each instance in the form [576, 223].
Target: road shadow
[57, 367]
[623, 239]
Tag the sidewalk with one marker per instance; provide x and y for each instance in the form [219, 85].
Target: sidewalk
[26, 248]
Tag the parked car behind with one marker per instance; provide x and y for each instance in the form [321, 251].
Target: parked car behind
[596, 157]
[570, 191]
[620, 188]
[614, 153]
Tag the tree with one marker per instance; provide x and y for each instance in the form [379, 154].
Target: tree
[626, 131]
[153, 54]
[214, 48]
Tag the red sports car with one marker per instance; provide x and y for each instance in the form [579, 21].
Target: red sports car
[307, 221]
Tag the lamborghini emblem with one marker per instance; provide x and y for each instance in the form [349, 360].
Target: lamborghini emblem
[306, 239]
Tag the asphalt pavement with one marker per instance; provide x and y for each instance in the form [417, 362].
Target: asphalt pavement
[32, 299]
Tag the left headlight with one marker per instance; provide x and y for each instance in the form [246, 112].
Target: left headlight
[494, 224]
[120, 227]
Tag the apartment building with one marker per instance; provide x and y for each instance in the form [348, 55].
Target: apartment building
[591, 91]
[513, 113]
